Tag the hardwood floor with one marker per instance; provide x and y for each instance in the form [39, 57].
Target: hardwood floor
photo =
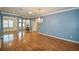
[32, 41]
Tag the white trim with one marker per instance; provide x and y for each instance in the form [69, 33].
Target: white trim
[59, 38]
[9, 13]
[55, 12]
[60, 11]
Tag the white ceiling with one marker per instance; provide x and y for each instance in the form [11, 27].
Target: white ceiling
[36, 11]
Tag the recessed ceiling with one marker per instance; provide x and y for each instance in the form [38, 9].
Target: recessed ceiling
[36, 11]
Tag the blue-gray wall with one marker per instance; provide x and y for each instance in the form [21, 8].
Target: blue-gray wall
[63, 25]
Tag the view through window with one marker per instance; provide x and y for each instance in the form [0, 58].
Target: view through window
[8, 23]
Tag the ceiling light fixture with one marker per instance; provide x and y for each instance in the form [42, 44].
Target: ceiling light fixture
[39, 19]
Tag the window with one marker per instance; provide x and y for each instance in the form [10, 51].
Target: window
[28, 22]
[7, 23]
[20, 21]
[24, 21]
[8, 37]
[19, 24]
[10, 23]
[23, 24]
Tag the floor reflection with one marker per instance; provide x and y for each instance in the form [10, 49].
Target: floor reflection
[21, 35]
[9, 38]
[32, 41]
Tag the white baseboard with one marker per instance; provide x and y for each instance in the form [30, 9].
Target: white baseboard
[59, 38]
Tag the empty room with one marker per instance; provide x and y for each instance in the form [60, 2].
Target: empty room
[39, 29]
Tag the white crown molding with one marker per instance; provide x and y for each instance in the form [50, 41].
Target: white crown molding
[55, 12]
[59, 38]
[60, 11]
[8, 13]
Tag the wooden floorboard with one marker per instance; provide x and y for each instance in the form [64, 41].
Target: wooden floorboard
[32, 41]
